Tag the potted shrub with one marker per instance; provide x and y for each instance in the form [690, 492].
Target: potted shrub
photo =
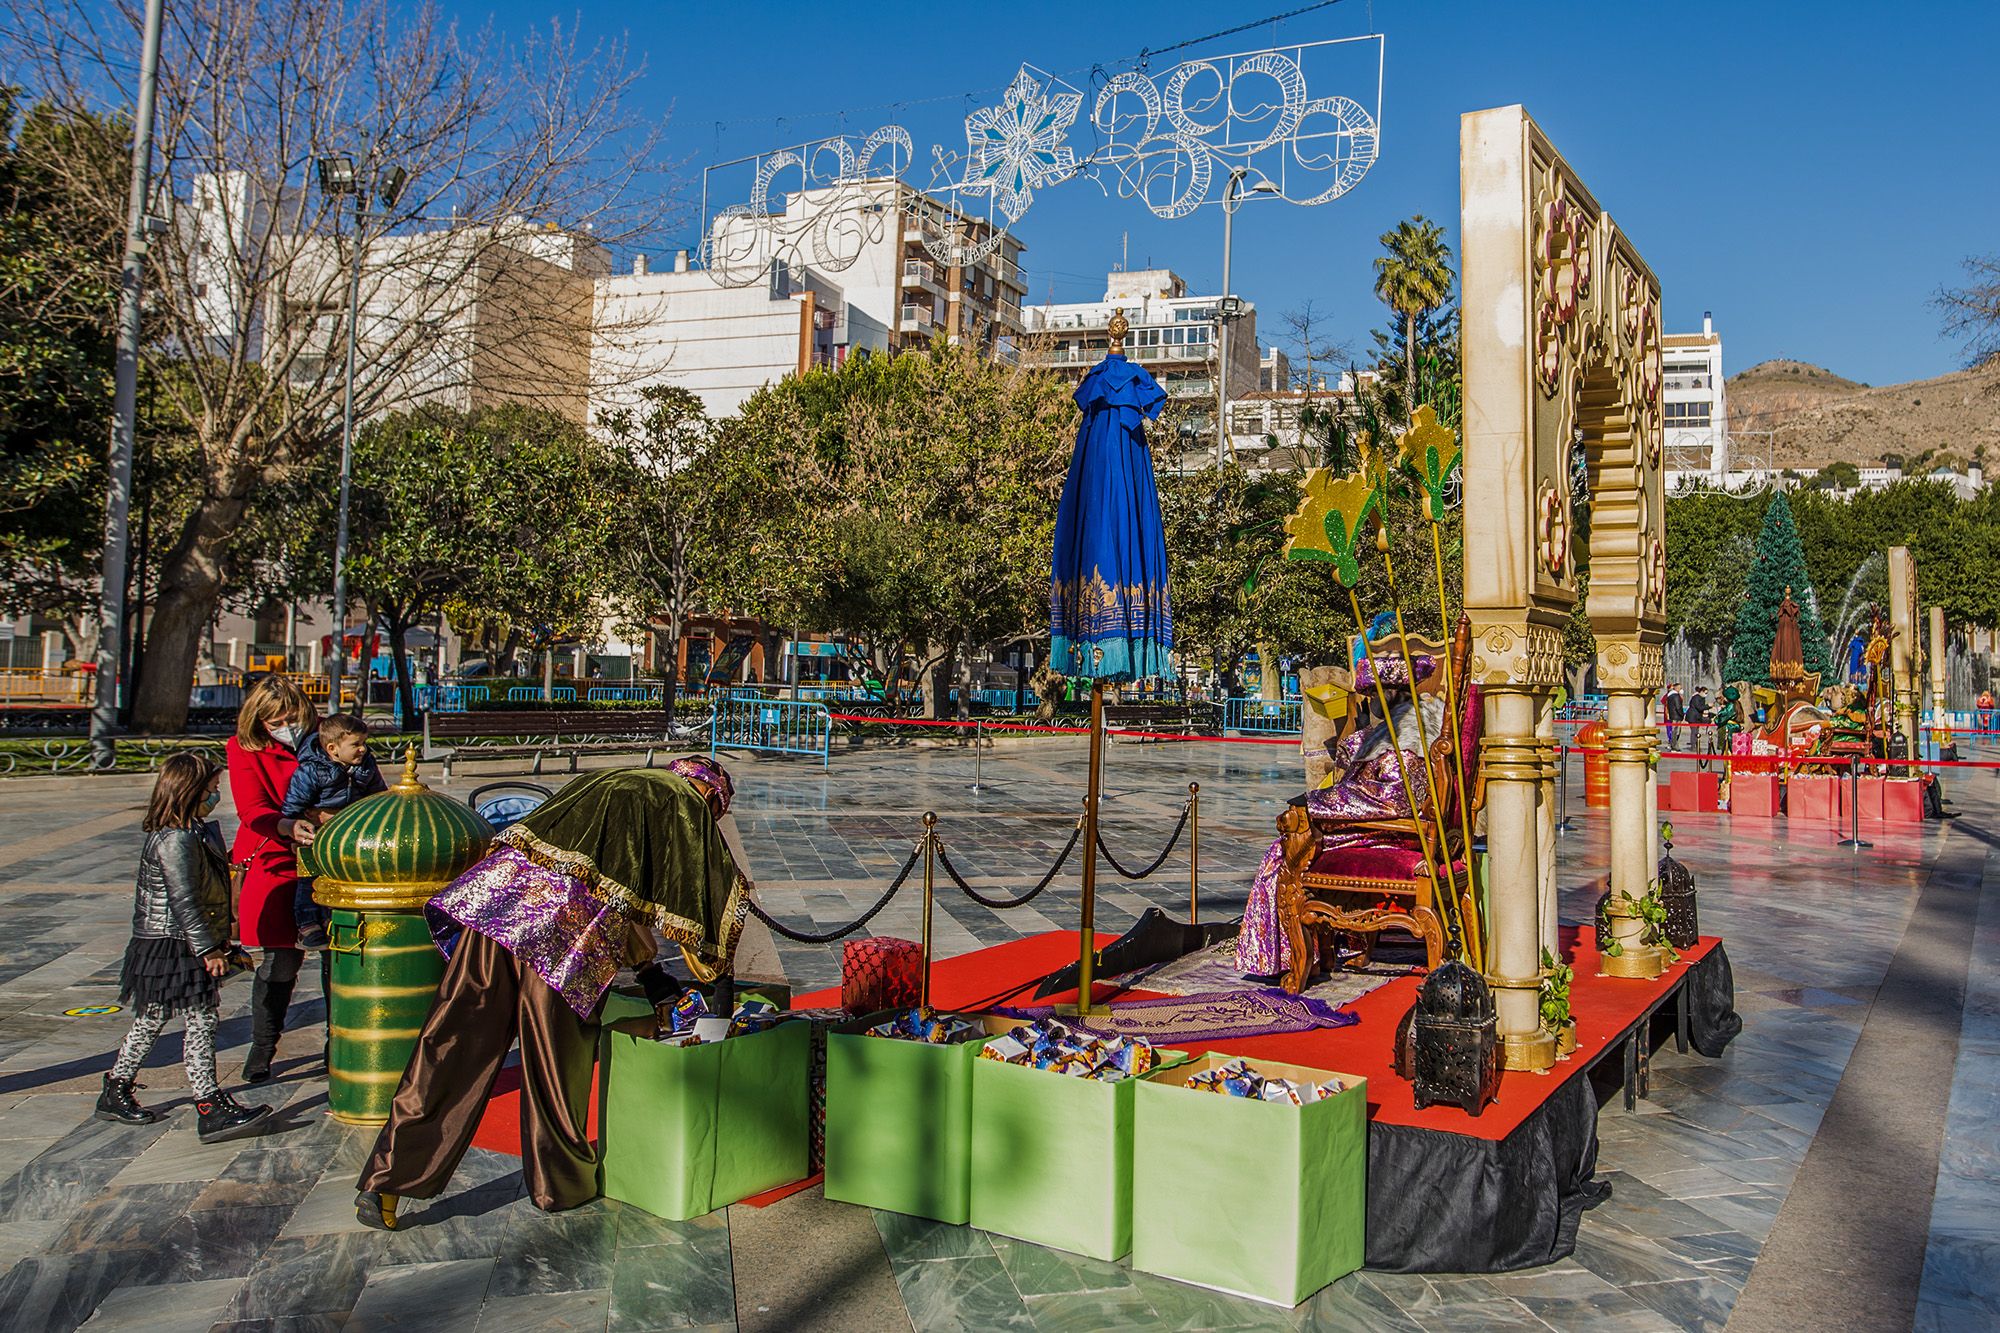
[1556, 1017]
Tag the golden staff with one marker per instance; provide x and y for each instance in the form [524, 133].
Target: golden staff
[1328, 526]
[1431, 450]
[1395, 746]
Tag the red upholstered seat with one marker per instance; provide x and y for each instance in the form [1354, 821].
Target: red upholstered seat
[1405, 863]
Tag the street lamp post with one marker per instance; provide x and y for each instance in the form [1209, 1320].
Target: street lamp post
[125, 406]
[1229, 309]
[338, 176]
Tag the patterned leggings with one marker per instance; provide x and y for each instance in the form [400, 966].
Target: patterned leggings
[198, 1047]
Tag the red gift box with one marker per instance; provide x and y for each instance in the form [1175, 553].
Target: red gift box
[1815, 796]
[879, 973]
[1754, 794]
[1892, 800]
[1696, 791]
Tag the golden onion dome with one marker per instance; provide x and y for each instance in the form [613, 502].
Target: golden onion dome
[393, 850]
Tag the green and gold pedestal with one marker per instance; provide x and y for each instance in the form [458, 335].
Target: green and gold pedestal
[378, 862]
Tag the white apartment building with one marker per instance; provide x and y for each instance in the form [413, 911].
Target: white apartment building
[1173, 335]
[783, 305]
[1696, 417]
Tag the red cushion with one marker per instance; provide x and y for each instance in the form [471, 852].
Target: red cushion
[1373, 863]
[879, 973]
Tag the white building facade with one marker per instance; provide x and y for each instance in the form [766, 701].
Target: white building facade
[1693, 405]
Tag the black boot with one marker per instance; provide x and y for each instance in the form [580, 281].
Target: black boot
[224, 1118]
[270, 1001]
[117, 1103]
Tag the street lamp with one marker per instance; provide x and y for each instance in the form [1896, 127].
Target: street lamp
[1230, 309]
[338, 176]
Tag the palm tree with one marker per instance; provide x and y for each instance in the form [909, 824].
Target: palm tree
[1413, 277]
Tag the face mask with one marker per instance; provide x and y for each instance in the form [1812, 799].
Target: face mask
[287, 736]
[210, 801]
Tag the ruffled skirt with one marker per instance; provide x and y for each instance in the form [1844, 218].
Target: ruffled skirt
[166, 973]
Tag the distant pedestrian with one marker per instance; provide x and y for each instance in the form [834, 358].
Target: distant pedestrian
[179, 949]
[1985, 719]
[1698, 708]
[1675, 704]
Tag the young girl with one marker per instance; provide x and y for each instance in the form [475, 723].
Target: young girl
[179, 949]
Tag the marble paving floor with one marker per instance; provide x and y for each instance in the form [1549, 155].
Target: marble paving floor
[115, 1227]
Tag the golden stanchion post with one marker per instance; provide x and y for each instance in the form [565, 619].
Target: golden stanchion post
[1087, 938]
[930, 886]
[1194, 853]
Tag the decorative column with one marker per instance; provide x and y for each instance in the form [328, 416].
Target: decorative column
[1903, 644]
[1545, 825]
[1512, 760]
[1631, 743]
[1937, 660]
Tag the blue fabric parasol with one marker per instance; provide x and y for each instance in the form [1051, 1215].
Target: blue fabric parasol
[1108, 613]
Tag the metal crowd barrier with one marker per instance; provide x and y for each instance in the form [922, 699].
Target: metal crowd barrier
[778, 726]
[1270, 717]
[600, 694]
[562, 694]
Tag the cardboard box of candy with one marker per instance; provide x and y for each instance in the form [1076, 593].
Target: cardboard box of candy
[1290, 1141]
[1052, 1136]
[702, 1110]
[899, 1111]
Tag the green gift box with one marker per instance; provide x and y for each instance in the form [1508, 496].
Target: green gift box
[1294, 1180]
[899, 1121]
[685, 1130]
[1052, 1157]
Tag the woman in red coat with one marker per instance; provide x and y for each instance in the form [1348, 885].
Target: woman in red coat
[270, 727]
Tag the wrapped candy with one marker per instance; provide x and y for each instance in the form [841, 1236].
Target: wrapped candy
[926, 1025]
[754, 1014]
[687, 1009]
[1238, 1079]
[1048, 1045]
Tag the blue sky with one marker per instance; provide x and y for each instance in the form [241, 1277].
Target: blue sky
[1810, 173]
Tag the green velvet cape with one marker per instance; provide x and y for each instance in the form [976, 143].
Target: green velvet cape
[645, 841]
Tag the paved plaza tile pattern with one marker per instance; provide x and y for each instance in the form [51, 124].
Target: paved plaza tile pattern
[123, 1227]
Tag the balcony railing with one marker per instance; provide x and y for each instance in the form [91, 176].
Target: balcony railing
[919, 317]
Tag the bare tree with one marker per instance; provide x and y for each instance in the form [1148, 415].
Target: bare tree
[520, 164]
[1315, 354]
[1972, 312]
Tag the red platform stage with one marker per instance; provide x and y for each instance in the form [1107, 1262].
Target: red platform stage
[1517, 1177]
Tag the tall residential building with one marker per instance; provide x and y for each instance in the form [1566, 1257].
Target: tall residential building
[839, 271]
[1696, 417]
[1173, 335]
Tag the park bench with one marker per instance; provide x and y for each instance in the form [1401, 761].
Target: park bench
[559, 733]
[1156, 716]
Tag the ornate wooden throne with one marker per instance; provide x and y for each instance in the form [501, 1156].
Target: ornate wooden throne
[1352, 894]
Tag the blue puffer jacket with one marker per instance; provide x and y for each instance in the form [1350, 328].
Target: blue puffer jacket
[322, 783]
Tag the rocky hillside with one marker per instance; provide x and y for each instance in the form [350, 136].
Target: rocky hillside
[1818, 417]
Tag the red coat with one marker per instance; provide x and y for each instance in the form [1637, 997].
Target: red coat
[257, 783]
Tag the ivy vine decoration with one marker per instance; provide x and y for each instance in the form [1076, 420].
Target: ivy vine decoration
[1331, 519]
[1650, 908]
[1430, 452]
[1556, 979]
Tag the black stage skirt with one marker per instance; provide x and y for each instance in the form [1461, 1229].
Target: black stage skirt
[165, 973]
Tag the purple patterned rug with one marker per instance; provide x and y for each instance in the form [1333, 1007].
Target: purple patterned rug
[1256, 1012]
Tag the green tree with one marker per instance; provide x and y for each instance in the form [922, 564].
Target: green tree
[909, 502]
[545, 571]
[675, 501]
[1413, 277]
[59, 257]
[1780, 568]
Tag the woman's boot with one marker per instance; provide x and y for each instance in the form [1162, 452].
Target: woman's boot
[270, 1001]
[117, 1103]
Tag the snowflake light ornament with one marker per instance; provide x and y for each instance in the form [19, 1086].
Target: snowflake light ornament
[1018, 145]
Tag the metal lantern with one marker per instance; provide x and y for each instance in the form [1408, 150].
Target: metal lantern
[378, 862]
[1456, 1053]
[1677, 895]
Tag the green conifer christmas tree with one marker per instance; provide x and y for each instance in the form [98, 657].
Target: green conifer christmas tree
[1781, 564]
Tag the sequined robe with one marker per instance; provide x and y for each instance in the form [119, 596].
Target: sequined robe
[1370, 786]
